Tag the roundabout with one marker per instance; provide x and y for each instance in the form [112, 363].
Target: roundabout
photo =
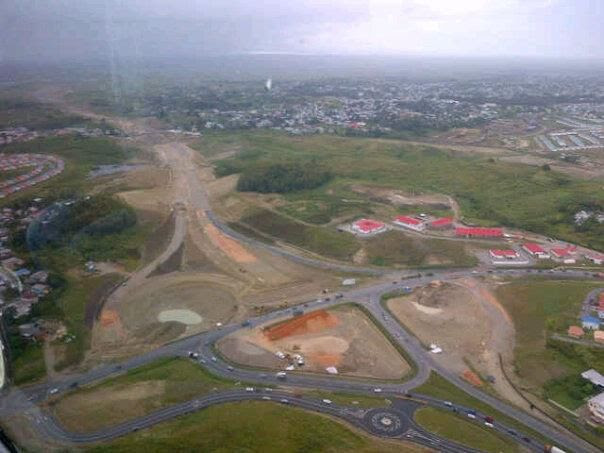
[386, 422]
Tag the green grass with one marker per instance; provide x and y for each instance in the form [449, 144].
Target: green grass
[253, 427]
[29, 366]
[489, 192]
[457, 429]
[326, 242]
[72, 305]
[394, 247]
[350, 399]
[124, 397]
[438, 387]
[538, 307]
[19, 112]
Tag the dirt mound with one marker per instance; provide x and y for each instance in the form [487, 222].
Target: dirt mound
[472, 378]
[439, 295]
[309, 323]
[109, 317]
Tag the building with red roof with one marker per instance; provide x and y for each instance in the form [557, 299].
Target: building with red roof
[409, 222]
[503, 254]
[564, 252]
[575, 331]
[535, 250]
[368, 226]
[442, 223]
[472, 232]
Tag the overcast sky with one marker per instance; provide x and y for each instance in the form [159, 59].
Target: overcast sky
[101, 28]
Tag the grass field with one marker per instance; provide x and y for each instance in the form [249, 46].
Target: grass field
[254, 427]
[16, 112]
[29, 365]
[455, 428]
[138, 392]
[489, 192]
[327, 242]
[395, 247]
[539, 307]
[350, 399]
[438, 387]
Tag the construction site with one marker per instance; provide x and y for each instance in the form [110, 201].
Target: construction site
[338, 341]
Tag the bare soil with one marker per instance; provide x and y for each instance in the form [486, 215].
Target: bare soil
[343, 338]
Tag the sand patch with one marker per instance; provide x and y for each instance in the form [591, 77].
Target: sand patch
[231, 248]
[180, 315]
[427, 310]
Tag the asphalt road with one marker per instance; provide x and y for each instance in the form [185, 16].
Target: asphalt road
[23, 400]
[16, 400]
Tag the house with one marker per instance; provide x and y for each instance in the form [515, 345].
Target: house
[596, 259]
[441, 224]
[40, 289]
[39, 277]
[368, 226]
[29, 297]
[590, 322]
[12, 263]
[471, 232]
[566, 254]
[409, 222]
[596, 408]
[575, 331]
[599, 336]
[23, 272]
[594, 377]
[503, 254]
[535, 250]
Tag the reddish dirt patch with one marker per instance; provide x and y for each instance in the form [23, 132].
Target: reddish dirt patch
[472, 378]
[109, 317]
[327, 360]
[231, 248]
[309, 323]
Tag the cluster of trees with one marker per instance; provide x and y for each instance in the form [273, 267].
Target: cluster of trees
[282, 178]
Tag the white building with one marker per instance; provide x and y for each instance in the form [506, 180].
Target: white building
[596, 408]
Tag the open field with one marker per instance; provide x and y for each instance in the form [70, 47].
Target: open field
[136, 393]
[539, 307]
[342, 337]
[489, 191]
[457, 429]
[254, 427]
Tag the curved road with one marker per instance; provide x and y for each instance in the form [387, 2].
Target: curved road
[369, 297]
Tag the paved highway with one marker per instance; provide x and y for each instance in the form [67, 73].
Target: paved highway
[369, 297]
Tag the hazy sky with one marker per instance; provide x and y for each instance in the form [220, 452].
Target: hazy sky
[100, 28]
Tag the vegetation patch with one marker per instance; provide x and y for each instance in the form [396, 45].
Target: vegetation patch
[282, 178]
[138, 392]
[253, 427]
[539, 308]
[455, 428]
[395, 247]
[323, 241]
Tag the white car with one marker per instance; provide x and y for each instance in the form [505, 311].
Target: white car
[326, 401]
[266, 398]
[53, 391]
[377, 390]
[488, 424]
[249, 389]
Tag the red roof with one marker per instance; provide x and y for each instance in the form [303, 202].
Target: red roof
[503, 253]
[485, 232]
[407, 220]
[533, 248]
[564, 252]
[368, 225]
[443, 221]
